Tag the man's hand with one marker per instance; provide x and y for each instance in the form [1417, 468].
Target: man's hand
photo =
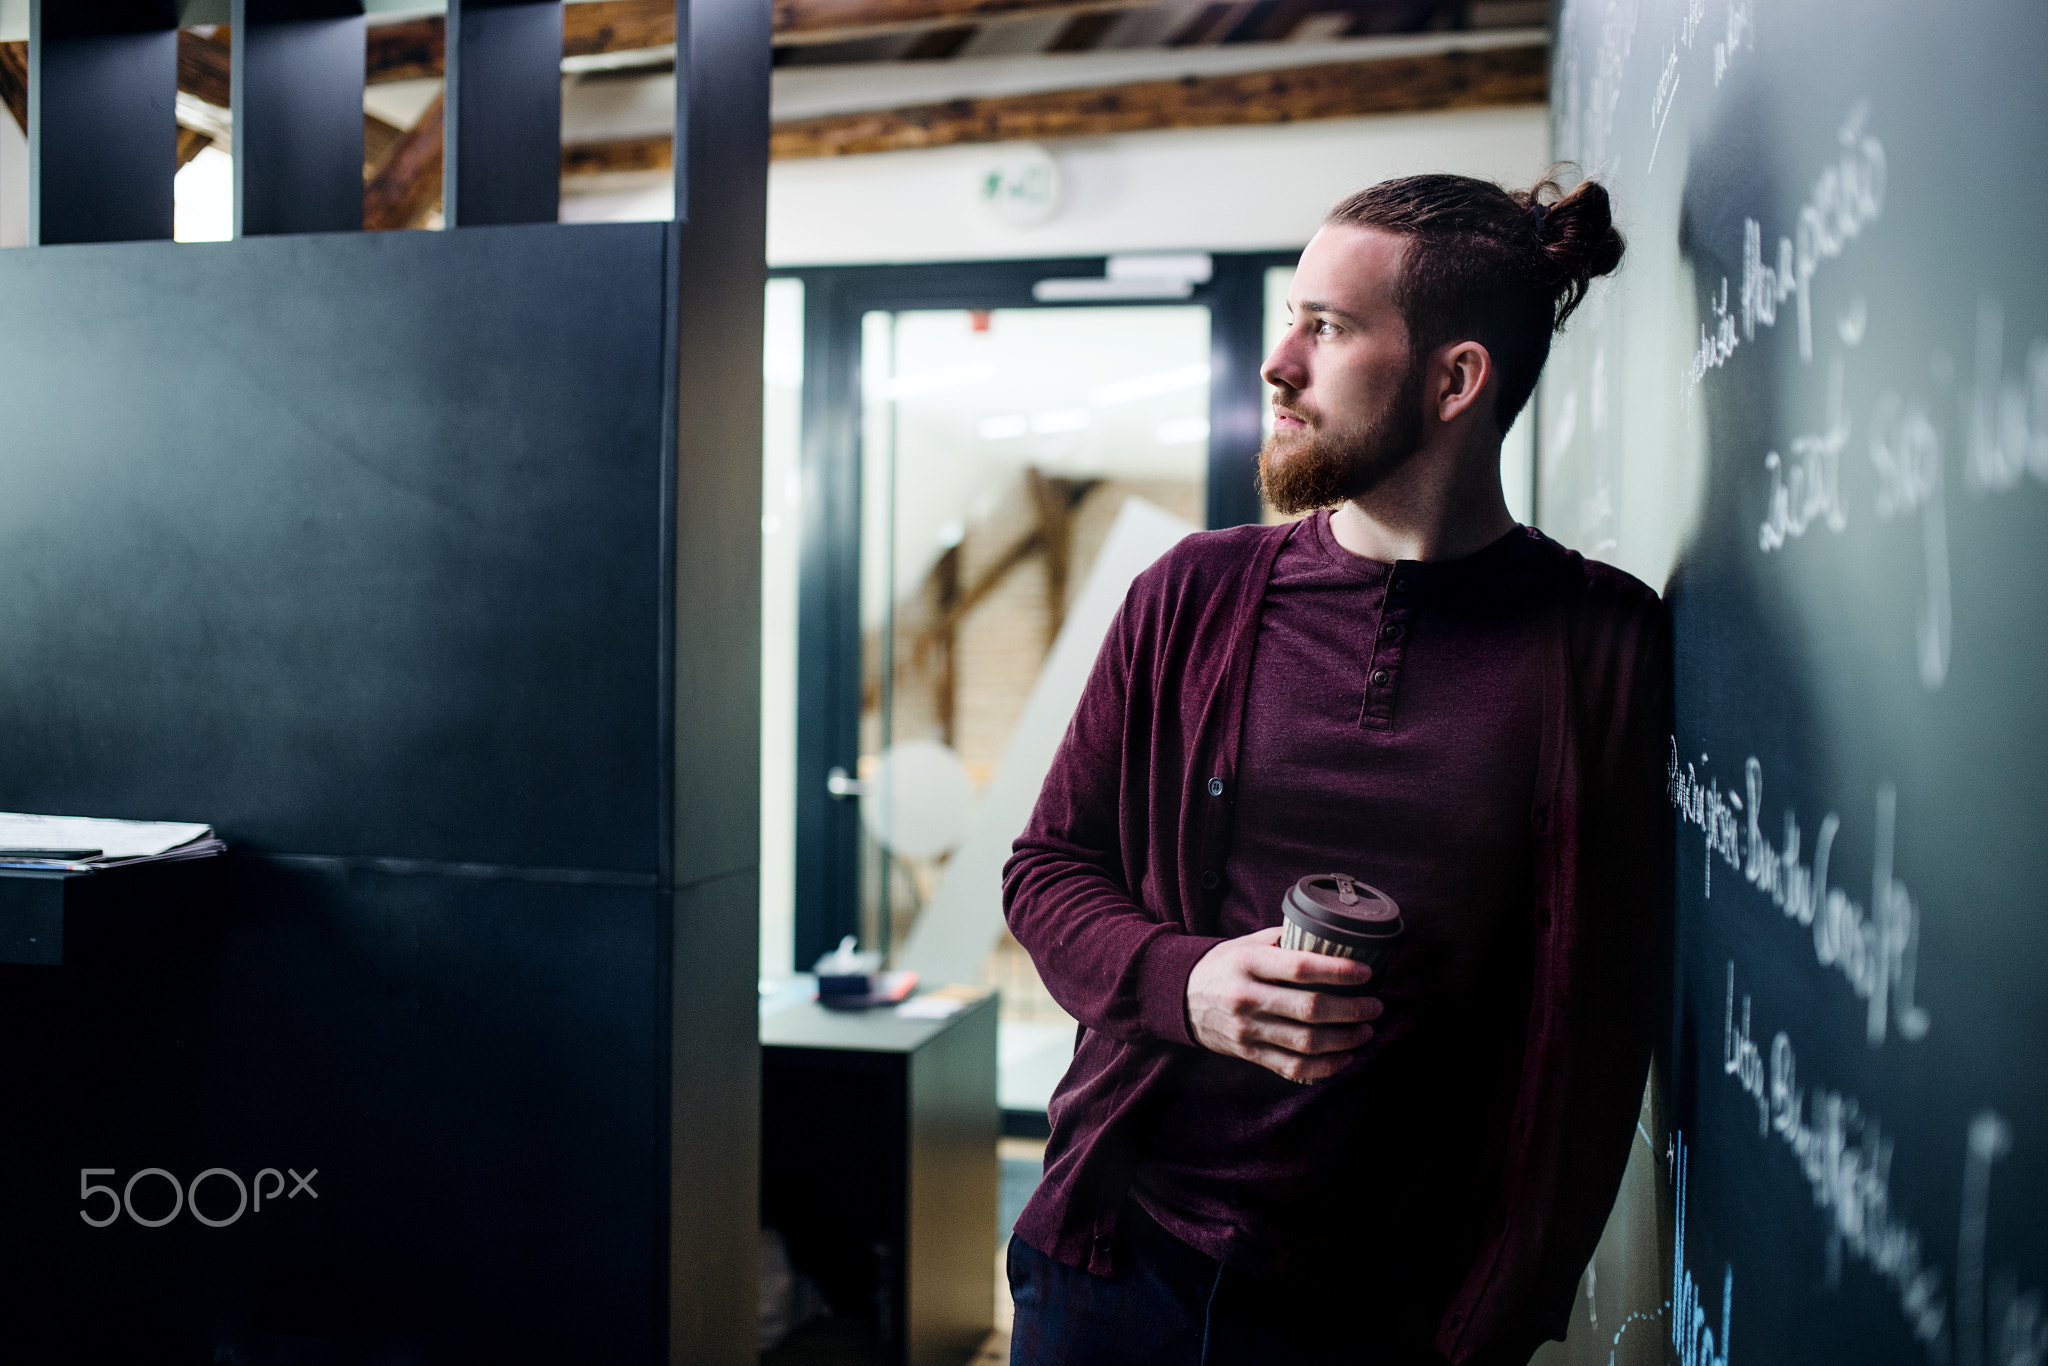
[1249, 998]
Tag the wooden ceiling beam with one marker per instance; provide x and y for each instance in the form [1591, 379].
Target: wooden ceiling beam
[417, 48]
[590, 30]
[407, 186]
[14, 82]
[626, 156]
[203, 65]
[191, 142]
[1386, 85]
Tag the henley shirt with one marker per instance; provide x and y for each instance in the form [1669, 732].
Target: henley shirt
[1116, 889]
[1390, 734]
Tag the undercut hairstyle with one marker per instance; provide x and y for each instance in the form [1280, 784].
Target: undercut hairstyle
[1504, 268]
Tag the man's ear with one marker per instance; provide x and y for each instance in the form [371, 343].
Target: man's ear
[1461, 374]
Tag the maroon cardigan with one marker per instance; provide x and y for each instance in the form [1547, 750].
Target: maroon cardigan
[1106, 891]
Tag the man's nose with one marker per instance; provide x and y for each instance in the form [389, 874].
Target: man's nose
[1284, 368]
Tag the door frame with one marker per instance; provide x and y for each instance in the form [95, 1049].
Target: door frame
[828, 683]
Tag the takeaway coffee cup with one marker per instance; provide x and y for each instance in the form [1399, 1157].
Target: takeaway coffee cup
[1340, 916]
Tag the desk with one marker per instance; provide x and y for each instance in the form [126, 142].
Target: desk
[878, 1163]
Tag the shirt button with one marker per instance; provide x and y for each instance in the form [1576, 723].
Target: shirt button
[1379, 678]
[1102, 1242]
[1391, 629]
[1215, 787]
[1209, 880]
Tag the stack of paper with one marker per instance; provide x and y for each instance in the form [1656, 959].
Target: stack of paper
[85, 844]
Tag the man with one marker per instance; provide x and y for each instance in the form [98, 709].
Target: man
[1417, 693]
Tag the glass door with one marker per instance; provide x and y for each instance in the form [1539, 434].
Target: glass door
[998, 447]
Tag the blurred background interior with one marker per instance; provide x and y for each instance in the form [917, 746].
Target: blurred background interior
[1025, 257]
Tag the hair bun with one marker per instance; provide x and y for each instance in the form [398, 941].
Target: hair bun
[1577, 236]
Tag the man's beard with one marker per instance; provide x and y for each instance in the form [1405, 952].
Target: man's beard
[1322, 467]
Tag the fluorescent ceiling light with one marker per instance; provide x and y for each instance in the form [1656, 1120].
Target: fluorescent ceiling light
[1182, 431]
[1059, 420]
[1145, 386]
[1162, 265]
[1096, 289]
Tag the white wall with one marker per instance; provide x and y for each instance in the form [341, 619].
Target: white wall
[13, 184]
[1217, 189]
[1213, 189]
[782, 370]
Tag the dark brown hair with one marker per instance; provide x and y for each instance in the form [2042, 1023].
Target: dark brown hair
[1504, 268]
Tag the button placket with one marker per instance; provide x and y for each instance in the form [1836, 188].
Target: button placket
[1389, 647]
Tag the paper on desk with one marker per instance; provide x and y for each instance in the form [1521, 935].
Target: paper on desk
[114, 839]
[930, 1008]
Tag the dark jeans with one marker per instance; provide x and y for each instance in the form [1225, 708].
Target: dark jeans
[1169, 1304]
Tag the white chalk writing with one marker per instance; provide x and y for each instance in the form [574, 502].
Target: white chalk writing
[1846, 1159]
[1877, 951]
[1905, 448]
[1741, 33]
[1660, 105]
[1717, 346]
[2008, 420]
[2016, 1335]
[1704, 805]
[1847, 197]
[1764, 286]
[1691, 1336]
[1811, 489]
[1689, 23]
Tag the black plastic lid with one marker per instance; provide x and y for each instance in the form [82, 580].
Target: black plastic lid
[1342, 908]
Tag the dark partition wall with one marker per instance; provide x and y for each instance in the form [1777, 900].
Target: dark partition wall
[424, 566]
[1818, 396]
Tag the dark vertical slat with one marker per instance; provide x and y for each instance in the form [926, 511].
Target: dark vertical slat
[1236, 297]
[102, 122]
[298, 103]
[828, 622]
[721, 270]
[504, 149]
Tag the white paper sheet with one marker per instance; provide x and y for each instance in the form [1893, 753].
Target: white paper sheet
[114, 839]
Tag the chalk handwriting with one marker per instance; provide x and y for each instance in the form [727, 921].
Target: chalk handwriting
[1691, 1336]
[1764, 286]
[2007, 420]
[1846, 1159]
[1587, 109]
[1640, 1316]
[1876, 950]
[1716, 347]
[1704, 805]
[1660, 105]
[1610, 71]
[1996, 1323]
[1905, 448]
[1689, 23]
[1990, 1138]
[1847, 197]
[1810, 490]
[1741, 33]
[1852, 326]
[1741, 1058]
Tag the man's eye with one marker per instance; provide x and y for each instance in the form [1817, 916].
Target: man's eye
[1325, 328]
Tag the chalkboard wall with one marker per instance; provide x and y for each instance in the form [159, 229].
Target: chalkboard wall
[1813, 408]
